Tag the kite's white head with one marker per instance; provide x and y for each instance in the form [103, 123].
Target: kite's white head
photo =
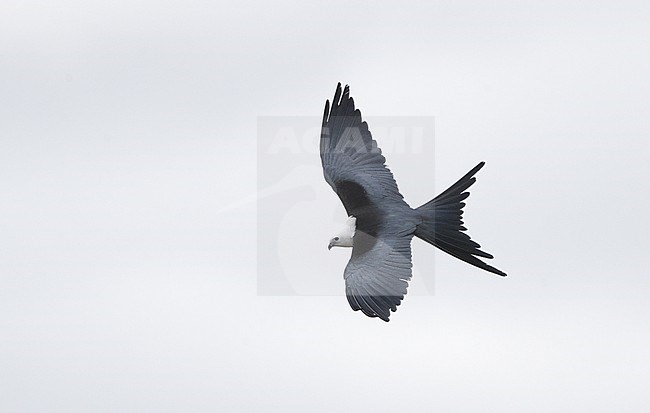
[344, 239]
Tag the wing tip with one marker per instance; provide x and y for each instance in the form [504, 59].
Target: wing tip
[345, 92]
[326, 113]
[337, 95]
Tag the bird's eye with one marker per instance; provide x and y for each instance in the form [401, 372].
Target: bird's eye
[336, 238]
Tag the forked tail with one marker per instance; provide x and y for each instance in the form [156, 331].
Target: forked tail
[442, 224]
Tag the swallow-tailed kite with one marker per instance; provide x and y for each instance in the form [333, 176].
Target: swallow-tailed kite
[381, 224]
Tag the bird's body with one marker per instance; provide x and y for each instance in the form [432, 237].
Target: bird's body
[381, 224]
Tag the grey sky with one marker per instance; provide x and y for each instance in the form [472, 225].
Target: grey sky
[125, 128]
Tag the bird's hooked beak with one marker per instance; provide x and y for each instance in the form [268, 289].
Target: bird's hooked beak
[330, 245]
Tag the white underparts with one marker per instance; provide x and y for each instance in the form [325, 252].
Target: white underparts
[351, 226]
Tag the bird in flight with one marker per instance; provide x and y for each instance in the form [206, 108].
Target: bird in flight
[380, 223]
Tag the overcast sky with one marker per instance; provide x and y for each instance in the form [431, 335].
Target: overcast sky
[131, 137]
